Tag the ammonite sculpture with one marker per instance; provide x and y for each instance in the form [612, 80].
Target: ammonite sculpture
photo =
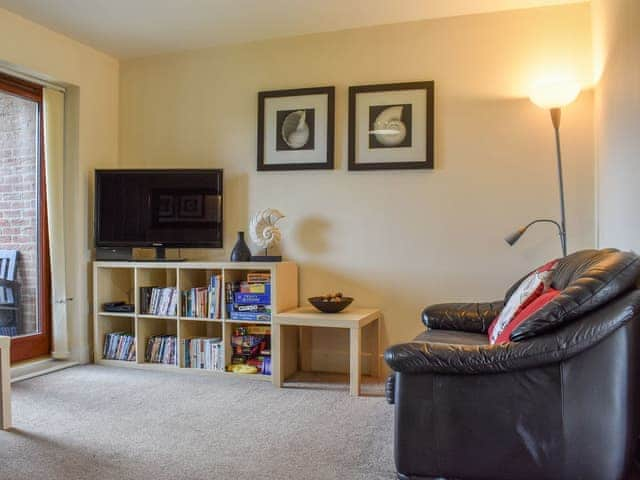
[263, 230]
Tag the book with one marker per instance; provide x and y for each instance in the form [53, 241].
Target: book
[251, 298]
[264, 288]
[252, 308]
[251, 316]
[258, 277]
[230, 288]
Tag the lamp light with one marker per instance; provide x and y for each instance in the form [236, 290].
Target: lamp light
[552, 96]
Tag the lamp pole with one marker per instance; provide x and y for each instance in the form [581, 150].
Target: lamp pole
[552, 96]
[555, 119]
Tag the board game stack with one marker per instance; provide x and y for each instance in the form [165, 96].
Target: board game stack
[251, 345]
[252, 298]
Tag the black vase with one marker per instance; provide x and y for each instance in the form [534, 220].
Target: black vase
[240, 252]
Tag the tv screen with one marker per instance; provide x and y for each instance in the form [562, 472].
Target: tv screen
[159, 208]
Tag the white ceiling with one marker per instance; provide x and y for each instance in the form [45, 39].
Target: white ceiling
[134, 28]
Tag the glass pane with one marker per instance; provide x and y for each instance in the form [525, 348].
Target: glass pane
[18, 215]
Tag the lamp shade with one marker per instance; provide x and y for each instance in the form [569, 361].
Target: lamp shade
[554, 94]
[513, 237]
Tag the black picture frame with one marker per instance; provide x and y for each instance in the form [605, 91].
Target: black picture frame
[427, 163]
[326, 165]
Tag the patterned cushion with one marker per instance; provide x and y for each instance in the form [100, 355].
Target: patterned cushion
[529, 289]
[525, 313]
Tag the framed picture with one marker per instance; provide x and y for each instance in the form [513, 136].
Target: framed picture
[295, 129]
[391, 126]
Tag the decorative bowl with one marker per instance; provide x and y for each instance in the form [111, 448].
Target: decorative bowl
[328, 306]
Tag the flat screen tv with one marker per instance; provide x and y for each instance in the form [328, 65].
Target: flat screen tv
[158, 208]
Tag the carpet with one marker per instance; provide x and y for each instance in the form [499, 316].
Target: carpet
[96, 422]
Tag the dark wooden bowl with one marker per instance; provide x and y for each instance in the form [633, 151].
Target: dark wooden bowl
[330, 307]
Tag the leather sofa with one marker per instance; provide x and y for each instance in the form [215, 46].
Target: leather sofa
[558, 401]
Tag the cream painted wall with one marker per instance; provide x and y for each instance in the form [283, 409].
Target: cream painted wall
[616, 46]
[91, 78]
[397, 240]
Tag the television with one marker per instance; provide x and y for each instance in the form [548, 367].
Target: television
[158, 208]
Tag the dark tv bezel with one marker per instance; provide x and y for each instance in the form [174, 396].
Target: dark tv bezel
[96, 210]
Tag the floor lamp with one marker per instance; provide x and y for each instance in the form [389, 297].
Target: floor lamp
[552, 97]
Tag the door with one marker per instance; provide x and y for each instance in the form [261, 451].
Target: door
[25, 308]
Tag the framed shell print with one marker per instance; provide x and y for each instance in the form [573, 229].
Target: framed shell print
[295, 129]
[391, 126]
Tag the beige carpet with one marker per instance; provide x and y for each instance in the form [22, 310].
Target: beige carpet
[94, 422]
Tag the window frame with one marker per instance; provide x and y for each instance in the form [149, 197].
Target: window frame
[28, 346]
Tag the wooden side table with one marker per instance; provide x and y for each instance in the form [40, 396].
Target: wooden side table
[284, 337]
[5, 384]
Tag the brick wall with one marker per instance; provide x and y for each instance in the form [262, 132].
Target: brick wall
[18, 197]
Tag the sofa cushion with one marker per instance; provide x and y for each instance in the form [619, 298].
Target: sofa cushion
[526, 312]
[587, 280]
[531, 288]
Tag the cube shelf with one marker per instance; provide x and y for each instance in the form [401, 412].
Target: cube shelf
[121, 281]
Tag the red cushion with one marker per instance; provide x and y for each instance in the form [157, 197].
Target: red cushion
[535, 294]
[526, 312]
[547, 266]
[510, 310]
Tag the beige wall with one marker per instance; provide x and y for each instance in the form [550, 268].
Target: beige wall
[91, 78]
[616, 46]
[397, 240]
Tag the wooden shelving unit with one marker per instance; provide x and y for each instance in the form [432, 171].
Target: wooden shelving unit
[121, 281]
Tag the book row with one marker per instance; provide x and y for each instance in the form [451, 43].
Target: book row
[119, 346]
[158, 301]
[203, 302]
[162, 349]
[204, 353]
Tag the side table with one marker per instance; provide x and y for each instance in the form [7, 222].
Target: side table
[284, 337]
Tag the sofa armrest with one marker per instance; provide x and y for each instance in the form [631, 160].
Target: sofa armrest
[554, 347]
[468, 317]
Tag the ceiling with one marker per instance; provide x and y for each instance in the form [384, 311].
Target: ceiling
[135, 28]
